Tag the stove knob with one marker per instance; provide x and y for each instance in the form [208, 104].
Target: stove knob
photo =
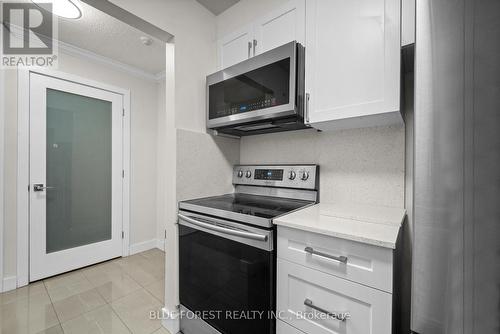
[305, 176]
[248, 174]
[292, 175]
[240, 173]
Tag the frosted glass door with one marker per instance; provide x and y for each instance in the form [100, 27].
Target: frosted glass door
[78, 169]
[75, 156]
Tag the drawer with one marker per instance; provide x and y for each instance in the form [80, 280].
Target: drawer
[366, 264]
[369, 310]
[284, 328]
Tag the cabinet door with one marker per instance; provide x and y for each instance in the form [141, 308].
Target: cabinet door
[352, 60]
[280, 27]
[316, 303]
[235, 47]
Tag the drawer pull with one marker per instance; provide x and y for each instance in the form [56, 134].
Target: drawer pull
[311, 251]
[310, 304]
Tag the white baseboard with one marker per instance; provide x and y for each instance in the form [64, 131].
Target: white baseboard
[160, 244]
[9, 283]
[146, 245]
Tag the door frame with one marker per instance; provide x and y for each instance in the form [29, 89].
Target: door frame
[23, 159]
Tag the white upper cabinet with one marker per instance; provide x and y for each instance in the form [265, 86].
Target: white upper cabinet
[352, 63]
[278, 27]
[235, 47]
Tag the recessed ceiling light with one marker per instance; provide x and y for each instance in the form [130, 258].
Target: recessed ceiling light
[68, 9]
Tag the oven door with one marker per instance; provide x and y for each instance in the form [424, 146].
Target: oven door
[226, 270]
[260, 88]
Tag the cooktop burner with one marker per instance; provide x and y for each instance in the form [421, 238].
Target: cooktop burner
[254, 205]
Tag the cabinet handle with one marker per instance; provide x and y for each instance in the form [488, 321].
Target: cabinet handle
[311, 251]
[307, 107]
[249, 48]
[334, 315]
[254, 45]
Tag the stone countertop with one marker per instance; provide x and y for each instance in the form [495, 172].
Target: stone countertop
[374, 225]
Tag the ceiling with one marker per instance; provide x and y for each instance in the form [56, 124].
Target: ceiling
[104, 35]
[217, 6]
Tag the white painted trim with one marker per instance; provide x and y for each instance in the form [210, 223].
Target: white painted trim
[23, 87]
[143, 246]
[23, 181]
[72, 50]
[160, 244]
[171, 320]
[2, 163]
[9, 283]
[126, 156]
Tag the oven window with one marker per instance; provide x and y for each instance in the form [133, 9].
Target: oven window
[264, 87]
[217, 274]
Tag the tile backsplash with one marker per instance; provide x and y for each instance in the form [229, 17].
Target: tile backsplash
[357, 165]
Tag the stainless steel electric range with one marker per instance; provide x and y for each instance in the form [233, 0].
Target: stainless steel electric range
[227, 257]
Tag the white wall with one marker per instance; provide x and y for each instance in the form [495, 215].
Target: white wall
[194, 29]
[144, 107]
[10, 172]
[161, 162]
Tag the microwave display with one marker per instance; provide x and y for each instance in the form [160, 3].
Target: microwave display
[265, 87]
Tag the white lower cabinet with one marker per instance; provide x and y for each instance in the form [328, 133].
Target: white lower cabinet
[366, 264]
[328, 285]
[314, 302]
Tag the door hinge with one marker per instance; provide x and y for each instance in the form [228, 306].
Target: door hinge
[123, 235]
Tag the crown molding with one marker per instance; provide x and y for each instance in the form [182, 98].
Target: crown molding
[72, 50]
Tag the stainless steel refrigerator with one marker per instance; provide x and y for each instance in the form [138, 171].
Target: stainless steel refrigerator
[455, 173]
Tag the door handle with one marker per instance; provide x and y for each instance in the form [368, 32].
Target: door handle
[238, 233]
[249, 48]
[254, 46]
[41, 187]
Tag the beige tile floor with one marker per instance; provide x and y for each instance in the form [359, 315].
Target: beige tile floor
[110, 297]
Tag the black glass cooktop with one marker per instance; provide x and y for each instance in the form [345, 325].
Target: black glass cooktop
[254, 205]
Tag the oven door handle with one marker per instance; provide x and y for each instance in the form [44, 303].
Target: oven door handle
[243, 234]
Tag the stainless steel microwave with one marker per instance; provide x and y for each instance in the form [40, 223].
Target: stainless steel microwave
[259, 95]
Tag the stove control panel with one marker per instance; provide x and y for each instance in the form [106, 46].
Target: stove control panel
[283, 176]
